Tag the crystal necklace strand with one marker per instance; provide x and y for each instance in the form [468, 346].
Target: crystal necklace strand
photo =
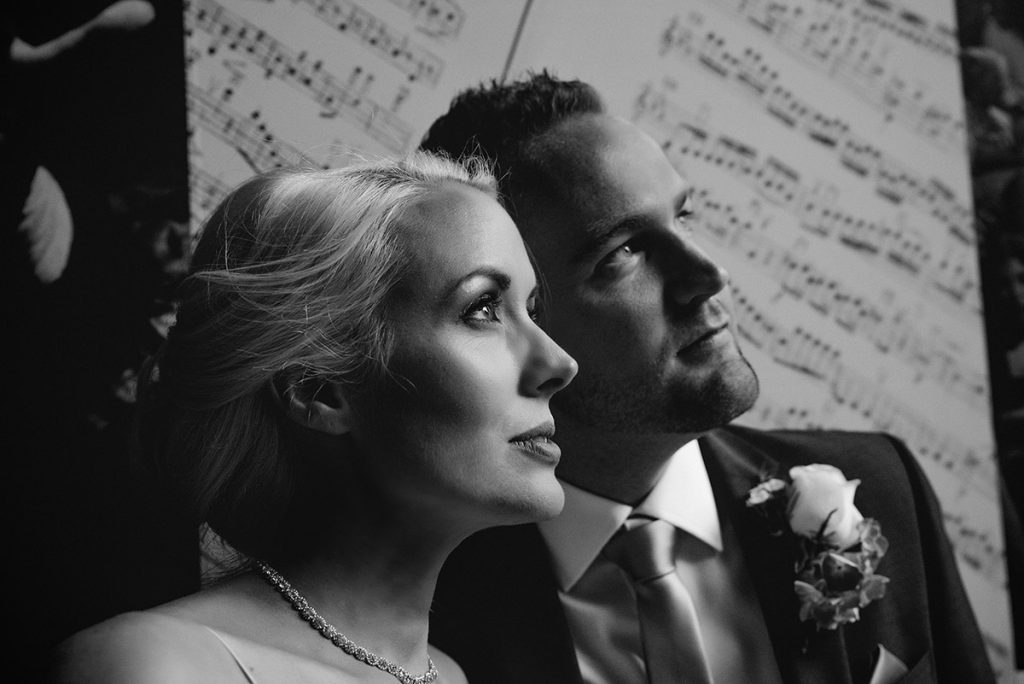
[326, 630]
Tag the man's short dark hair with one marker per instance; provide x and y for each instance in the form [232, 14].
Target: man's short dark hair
[498, 120]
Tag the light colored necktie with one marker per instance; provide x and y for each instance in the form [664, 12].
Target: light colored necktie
[669, 630]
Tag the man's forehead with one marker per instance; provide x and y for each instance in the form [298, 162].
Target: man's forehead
[599, 164]
[578, 145]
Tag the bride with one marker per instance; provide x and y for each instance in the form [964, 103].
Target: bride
[355, 383]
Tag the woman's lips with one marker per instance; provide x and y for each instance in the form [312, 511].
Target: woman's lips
[537, 442]
[541, 448]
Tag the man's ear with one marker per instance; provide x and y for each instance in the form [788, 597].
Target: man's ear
[317, 406]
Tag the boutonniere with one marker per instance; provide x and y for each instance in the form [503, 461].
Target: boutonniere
[837, 549]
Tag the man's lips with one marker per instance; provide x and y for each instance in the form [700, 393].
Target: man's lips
[705, 336]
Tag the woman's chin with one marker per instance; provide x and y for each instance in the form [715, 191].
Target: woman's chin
[544, 502]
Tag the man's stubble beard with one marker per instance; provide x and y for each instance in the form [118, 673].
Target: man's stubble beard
[648, 406]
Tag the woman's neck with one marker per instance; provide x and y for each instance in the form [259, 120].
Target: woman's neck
[375, 584]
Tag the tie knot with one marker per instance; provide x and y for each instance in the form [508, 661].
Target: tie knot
[644, 552]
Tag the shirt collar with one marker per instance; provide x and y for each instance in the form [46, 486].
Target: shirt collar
[682, 497]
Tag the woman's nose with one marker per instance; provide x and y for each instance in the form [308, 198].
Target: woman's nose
[549, 368]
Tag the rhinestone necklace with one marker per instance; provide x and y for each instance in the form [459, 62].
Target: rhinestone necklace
[326, 630]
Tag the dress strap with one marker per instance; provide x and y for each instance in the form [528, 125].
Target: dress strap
[224, 639]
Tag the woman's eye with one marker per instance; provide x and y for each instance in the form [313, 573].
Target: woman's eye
[533, 309]
[484, 309]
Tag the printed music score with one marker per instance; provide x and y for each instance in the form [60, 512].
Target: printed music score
[298, 69]
[890, 330]
[748, 69]
[978, 547]
[777, 18]
[247, 135]
[207, 191]
[808, 353]
[326, 82]
[394, 47]
[435, 18]
[949, 269]
[850, 43]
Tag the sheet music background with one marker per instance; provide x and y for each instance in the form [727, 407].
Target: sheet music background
[825, 137]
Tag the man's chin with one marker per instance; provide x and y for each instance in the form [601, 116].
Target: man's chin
[725, 396]
[683, 407]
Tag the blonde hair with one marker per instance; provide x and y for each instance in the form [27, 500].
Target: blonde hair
[288, 289]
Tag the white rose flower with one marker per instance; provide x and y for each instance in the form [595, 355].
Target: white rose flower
[822, 492]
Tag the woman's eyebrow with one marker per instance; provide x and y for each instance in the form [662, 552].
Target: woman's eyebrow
[500, 278]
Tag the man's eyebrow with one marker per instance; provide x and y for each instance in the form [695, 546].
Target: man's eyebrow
[598, 236]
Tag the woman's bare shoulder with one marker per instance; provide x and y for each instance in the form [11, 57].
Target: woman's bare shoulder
[143, 647]
[448, 670]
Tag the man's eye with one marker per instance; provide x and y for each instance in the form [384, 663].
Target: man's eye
[484, 309]
[622, 256]
[685, 216]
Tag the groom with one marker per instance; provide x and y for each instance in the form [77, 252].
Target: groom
[645, 433]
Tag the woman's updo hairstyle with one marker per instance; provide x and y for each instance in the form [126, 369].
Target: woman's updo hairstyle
[287, 290]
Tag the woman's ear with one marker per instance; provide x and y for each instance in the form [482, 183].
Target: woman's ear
[317, 406]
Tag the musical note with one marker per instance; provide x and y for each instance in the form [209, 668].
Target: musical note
[888, 329]
[435, 18]
[296, 69]
[348, 18]
[248, 135]
[805, 353]
[845, 48]
[780, 183]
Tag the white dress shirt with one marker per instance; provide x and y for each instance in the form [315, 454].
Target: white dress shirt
[599, 601]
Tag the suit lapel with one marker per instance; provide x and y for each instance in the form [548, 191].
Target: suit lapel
[734, 466]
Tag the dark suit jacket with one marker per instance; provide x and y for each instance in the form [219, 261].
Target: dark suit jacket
[497, 612]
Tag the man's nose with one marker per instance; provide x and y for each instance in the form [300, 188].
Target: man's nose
[691, 276]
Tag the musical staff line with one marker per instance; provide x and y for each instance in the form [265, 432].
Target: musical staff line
[247, 135]
[950, 272]
[888, 328]
[798, 348]
[977, 548]
[435, 18]
[892, 180]
[848, 48]
[299, 71]
[206, 192]
[395, 48]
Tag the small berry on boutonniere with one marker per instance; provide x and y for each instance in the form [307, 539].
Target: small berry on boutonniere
[837, 549]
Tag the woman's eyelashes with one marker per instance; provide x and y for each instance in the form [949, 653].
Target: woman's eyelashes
[488, 308]
[485, 309]
[533, 307]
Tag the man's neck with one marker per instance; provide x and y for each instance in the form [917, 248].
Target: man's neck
[620, 467]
